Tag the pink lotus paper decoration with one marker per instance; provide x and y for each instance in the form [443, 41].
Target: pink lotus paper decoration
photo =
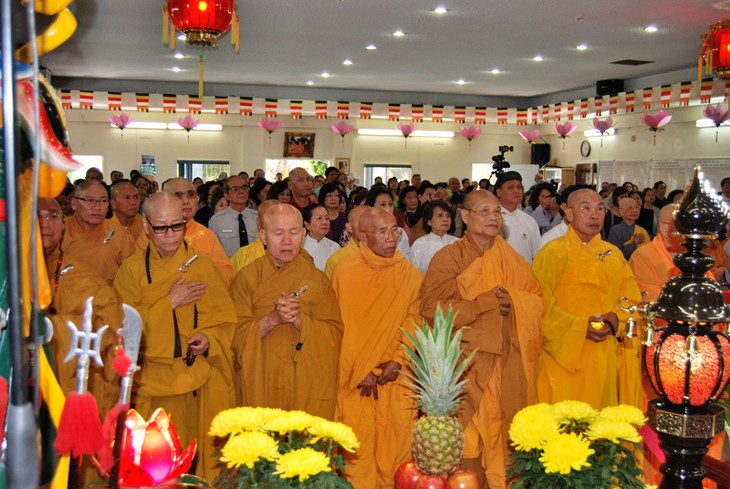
[343, 129]
[603, 126]
[270, 124]
[407, 130]
[530, 136]
[717, 114]
[151, 453]
[470, 133]
[188, 123]
[121, 121]
[564, 130]
[656, 121]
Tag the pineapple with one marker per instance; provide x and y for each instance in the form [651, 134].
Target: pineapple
[435, 375]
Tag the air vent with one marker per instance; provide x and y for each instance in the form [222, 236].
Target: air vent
[631, 62]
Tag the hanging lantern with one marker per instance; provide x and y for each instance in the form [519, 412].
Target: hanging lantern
[202, 21]
[716, 50]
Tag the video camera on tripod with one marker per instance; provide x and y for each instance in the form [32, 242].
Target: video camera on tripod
[499, 162]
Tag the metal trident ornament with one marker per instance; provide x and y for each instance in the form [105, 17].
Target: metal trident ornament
[184, 267]
[85, 344]
[108, 238]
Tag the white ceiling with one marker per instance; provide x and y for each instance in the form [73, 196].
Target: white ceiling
[285, 43]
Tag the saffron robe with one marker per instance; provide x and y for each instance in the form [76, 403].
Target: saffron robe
[134, 229]
[338, 256]
[503, 373]
[653, 265]
[193, 394]
[247, 254]
[288, 368]
[90, 246]
[378, 296]
[578, 281]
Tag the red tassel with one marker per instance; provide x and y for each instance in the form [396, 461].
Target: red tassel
[121, 362]
[106, 452]
[3, 406]
[79, 430]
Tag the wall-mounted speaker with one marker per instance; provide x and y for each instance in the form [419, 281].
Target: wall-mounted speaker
[540, 154]
[609, 87]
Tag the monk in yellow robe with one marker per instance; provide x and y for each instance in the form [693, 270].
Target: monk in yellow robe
[351, 247]
[287, 343]
[125, 201]
[499, 308]
[247, 254]
[72, 282]
[377, 288]
[585, 356]
[197, 236]
[102, 244]
[188, 324]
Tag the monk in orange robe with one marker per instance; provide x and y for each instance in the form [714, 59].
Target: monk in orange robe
[287, 343]
[125, 201]
[377, 288]
[351, 247]
[247, 254]
[499, 306]
[102, 244]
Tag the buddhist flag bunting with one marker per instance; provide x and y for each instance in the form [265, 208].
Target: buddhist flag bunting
[114, 100]
[533, 115]
[583, 108]
[143, 102]
[194, 104]
[320, 109]
[86, 99]
[437, 113]
[706, 91]
[502, 113]
[417, 113]
[521, 117]
[684, 92]
[343, 109]
[480, 115]
[460, 114]
[630, 101]
[393, 112]
[366, 110]
[648, 93]
[557, 111]
[613, 104]
[245, 106]
[271, 107]
[221, 105]
[570, 111]
[598, 106]
[65, 99]
[295, 109]
[666, 96]
[545, 113]
[169, 103]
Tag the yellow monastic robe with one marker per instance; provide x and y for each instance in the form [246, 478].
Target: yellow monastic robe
[203, 240]
[579, 281]
[288, 368]
[101, 249]
[339, 255]
[193, 394]
[70, 290]
[378, 296]
[247, 254]
[134, 229]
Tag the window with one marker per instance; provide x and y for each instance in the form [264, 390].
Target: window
[207, 170]
[401, 172]
[87, 161]
[481, 170]
[284, 166]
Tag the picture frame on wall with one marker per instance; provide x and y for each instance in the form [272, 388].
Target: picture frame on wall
[299, 145]
[343, 164]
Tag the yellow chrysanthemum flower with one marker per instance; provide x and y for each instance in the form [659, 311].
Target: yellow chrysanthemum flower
[567, 411]
[337, 432]
[623, 413]
[236, 420]
[614, 431]
[302, 463]
[248, 448]
[565, 452]
[289, 421]
[650, 486]
[532, 427]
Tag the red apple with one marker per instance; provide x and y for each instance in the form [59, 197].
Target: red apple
[431, 482]
[463, 479]
[407, 475]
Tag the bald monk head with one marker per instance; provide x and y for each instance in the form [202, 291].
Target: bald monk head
[184, 190]
[629, 211]
[164, 224]
[586, 212]
[379, 231]
[263, 207]
[353, 225]
[300, 183]
[50, 220]
[283, 233]
[90, 203]
[483, 217]
[125, 200]
[667, 229]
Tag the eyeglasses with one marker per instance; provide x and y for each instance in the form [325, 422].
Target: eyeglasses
[93, 201]
[189, 194]
[175, 228]
[585, 209]
[486, 213]
[49, 216]
[237, 188]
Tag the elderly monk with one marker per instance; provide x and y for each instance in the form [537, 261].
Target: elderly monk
[73, 281]
[188, 325]
[377, 288]
[125, 204]
[584, 355]
[252, 251]
[354, 230]
[499, 307]
[301, 185]
[287, 343]
[197, 236]
[102, 244]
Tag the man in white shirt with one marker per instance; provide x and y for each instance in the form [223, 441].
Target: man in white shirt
[236, 226]
[523, 234]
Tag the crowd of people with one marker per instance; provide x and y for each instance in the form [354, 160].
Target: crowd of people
[295, 294]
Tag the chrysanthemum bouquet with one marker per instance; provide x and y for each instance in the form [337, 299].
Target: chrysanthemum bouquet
[276, 449]
[570, 445]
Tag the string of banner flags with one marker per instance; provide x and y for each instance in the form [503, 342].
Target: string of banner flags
[665, 96]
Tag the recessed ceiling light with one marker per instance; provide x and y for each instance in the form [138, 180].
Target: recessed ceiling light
[179, 56]
[176, 69]
[496, 71]
[581, 47]
[182, 37]
[325, 74]
[347, 62]
[537, 58]
[460, 81]
[651, 28]
[310, 82]
[371, 47]
[440, 10]
[399, 33]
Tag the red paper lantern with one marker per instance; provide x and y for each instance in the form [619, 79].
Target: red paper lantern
[716, 49]
[202, 21]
